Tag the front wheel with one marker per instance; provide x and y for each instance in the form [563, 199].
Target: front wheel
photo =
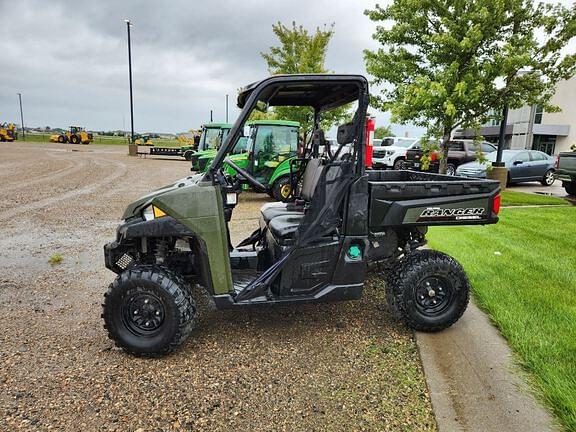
[282, 189]
[429, 290]
[74, 139]
[548, 178]
[451, 169]
[149, 311]
[400, 164]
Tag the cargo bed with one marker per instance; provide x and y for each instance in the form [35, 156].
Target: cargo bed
[426, 199]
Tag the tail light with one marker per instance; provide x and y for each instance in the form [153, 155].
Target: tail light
[370, 125]
[496, 205]
[557, 164]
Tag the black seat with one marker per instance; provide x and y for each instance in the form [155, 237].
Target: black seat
[309, 180]
[283, 227]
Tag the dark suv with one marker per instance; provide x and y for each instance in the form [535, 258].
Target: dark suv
[459, 152]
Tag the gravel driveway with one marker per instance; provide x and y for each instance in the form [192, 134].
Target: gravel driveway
[328, 367]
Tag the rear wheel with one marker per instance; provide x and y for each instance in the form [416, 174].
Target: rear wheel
[61, 139]
[570, 188]
[548, 178]
[451, 169]
[429, 290]
[282, 189]
[149, 311]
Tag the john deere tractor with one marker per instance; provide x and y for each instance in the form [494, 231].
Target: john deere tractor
[75, 135]
[213, 135]
[8, 132]
[266, 154]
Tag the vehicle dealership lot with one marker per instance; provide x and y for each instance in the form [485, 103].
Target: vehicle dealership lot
[317, 367]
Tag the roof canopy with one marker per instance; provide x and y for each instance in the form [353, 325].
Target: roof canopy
[320, 91]
[273, 123]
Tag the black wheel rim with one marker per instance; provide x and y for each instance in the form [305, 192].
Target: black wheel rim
[143, 313]
[433, 295]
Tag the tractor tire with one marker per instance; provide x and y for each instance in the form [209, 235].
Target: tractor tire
[61, 139]
[548, 179]
[149, 311]
[400, 164]
[74, 139]
[188, 154]
[570, 188]
[282, 189]
[429, 290]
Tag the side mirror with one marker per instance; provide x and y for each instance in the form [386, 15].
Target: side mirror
[518, 162]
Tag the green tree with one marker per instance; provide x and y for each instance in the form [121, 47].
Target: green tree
[300, 51]
[451, 64]
[382, 131]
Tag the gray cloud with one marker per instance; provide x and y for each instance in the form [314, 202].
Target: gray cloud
[69, 58]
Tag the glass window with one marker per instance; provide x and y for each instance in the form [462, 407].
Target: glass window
[212, 139]
[524, 157]
[404, 142]
[538, 114]
[487, 148]
[456, 145]
[537, 156]
[276, 140]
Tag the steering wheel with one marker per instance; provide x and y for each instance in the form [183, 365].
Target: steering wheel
[255, 183]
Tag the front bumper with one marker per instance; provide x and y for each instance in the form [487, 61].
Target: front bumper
[382, 162]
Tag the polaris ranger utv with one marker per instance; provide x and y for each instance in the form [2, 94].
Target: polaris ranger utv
[314, 249]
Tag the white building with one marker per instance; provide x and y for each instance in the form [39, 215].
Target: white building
[531, 128]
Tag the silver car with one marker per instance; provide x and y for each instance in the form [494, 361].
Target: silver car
[523, 166]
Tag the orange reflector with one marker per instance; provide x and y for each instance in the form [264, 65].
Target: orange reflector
[157, 212]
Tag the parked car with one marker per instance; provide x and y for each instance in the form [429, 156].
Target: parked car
[523, 166]
[391, 152]
[566, 171]
[459, 152]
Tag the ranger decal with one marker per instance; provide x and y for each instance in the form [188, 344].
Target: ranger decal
[437, 213]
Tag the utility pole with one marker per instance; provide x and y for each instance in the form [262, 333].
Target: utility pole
[21, 116]
[132, 148]
[226, 108]
[211, 117]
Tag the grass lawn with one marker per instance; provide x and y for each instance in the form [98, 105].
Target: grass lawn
[523, 273]
[108, 140]
[512, 198]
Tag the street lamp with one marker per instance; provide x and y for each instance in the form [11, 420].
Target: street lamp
[21, 116]
[132, 148]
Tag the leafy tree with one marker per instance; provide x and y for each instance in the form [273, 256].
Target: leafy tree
[302, 52]
[382, 131]
[454, 63]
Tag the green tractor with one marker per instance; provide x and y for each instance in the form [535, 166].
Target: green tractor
[213, 135]
[266, 153]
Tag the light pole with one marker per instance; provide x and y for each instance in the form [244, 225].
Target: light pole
[132, 148]
[21, 116]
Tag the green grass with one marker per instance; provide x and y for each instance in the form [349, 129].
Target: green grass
[55, 259]
[523, 273]
[107, 140]
[512, 198]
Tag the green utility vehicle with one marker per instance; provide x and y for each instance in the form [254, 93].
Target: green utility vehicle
[213, 135]
[267, 153]
[316, 248]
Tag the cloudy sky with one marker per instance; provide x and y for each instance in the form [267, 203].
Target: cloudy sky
[69, 58]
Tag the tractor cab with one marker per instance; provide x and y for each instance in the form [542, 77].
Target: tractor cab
[211, 139]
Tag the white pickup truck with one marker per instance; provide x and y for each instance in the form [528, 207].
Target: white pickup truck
[392, 152]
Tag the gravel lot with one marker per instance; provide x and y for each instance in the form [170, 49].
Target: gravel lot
[330, 367]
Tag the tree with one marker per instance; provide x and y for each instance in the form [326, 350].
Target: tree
[382, 131]
[455, 63]
[302, 52]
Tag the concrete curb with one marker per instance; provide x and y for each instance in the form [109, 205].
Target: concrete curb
[472, 383]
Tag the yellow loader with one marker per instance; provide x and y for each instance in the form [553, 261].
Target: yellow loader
[75, 135]
[8, 132]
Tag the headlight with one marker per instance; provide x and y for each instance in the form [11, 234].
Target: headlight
[152, 212]
[389, 152]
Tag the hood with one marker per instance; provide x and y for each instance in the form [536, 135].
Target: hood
[136, 207]
[473, 166]
[390, 147]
